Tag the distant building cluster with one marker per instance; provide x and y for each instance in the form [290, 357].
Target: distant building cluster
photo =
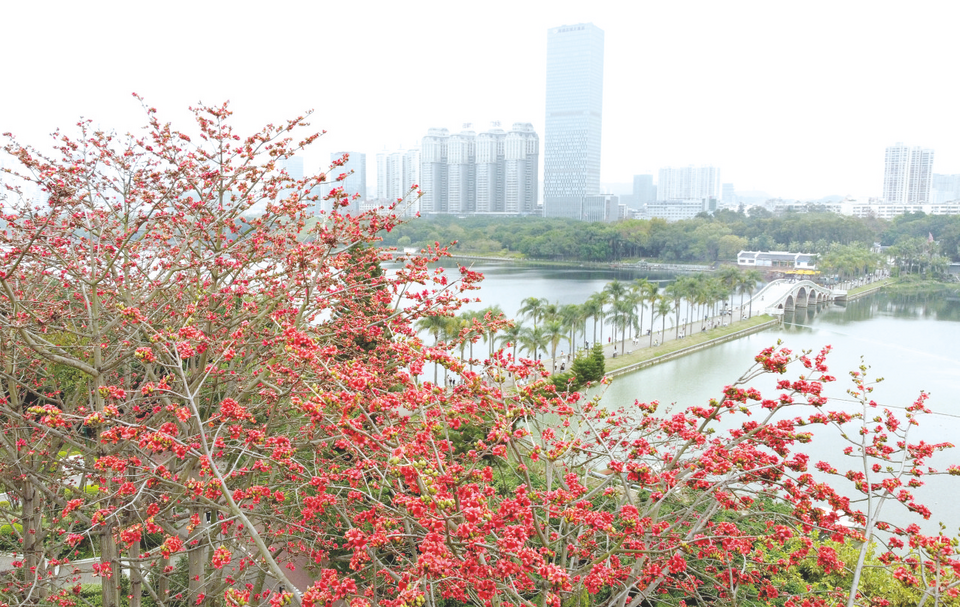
[494, 172]
[886, 210]
[397, 172]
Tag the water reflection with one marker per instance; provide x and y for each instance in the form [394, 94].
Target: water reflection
[911, 341]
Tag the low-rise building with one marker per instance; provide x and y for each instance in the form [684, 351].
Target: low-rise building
[777, 260]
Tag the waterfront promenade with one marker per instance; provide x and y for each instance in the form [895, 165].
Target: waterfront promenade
[719, 329]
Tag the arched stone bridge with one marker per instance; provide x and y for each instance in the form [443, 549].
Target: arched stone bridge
[791, 294]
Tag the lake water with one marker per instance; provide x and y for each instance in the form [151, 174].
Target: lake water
[914, 343]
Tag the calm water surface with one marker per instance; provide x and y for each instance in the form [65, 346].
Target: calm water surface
[913, 343]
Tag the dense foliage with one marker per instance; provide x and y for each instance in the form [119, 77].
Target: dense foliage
[702, 239]
[189, 388]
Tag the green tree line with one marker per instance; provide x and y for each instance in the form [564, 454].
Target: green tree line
[706, 238]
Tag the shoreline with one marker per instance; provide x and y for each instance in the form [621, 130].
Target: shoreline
[767, 322]
[596, 265]
[680, 352]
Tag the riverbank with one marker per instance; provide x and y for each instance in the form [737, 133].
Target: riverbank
[642, 356]
[647, 357]
[644, 352]
[599, 265]
[868, 289]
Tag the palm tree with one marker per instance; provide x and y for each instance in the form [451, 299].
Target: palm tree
[634, 300]
[615, 290]
[648, 293]
[511, 336]
[491, 313]
[674, 291]
[662, 308]
[549, 310]
[602, 298]
[554, 331]
[465, 321]
[592, 308]
[639, 287]
[654, 306]
[532, 307]
[751, 277]
[745, 286]
[438, 326]
[533, 340]
[700, 291]
[730, 277]
[623, 318]
[571, 315]
[718, 292]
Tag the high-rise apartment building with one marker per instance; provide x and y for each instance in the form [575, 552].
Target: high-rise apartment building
[397, 172]
[521, 161]
[907, 175]
[688, 183]
[489, 172]
[433, 171]
[462, 173]
[571, 145]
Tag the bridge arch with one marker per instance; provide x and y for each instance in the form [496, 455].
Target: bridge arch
[792, 294]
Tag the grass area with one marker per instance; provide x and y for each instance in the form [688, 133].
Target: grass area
[673, 345]
[869, 287]
[916, 285]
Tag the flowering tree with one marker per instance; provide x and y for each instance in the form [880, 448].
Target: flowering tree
[184, 379]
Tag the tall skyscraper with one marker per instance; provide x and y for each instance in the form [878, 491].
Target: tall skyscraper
[571, 144]
[907, 175]
[688, 183]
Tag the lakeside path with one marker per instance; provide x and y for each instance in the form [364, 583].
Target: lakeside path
[644, 355]
[680, 268]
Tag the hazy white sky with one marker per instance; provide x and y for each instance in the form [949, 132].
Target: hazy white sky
[797, 99]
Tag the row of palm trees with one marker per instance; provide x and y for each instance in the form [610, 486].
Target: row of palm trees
[621, 306]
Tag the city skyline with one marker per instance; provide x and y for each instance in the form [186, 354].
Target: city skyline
[786, 99]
